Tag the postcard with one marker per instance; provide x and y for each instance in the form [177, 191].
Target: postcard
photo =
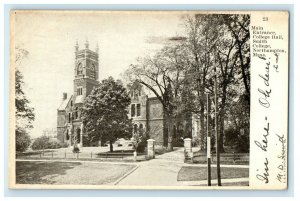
[179, 100]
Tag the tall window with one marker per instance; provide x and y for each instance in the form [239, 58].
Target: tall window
[93, 73]
[76, 113]
[79, 69]
[79, 91]
[69, 119]
[133, 110]
[138, 110]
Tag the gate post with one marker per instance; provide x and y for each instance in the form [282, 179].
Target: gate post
[188, 153]
[150, 149]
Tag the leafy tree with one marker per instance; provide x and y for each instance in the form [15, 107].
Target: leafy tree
[105, 112]
[24, 113]
[163, 75]
[22, 140]
[218, 42]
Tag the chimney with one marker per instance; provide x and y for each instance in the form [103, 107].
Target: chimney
[65, 96]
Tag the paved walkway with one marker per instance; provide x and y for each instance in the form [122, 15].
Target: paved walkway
[163, 171]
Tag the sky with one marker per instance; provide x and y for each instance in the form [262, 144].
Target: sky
[50, 37]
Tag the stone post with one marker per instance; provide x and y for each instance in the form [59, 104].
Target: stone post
[188, 153]
[150, 147]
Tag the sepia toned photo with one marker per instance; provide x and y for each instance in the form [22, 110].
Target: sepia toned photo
[148, 100]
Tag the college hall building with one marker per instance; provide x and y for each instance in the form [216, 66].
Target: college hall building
[146, 112]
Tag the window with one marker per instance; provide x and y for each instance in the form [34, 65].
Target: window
[79, 69]
[93, 75]
[71, 103]
[76, 113]
[138, 110]
[133, 110]
[79, 91]
[69, 119]
[93, 71]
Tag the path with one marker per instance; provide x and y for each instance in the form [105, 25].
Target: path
[160, 171]
[163, 171]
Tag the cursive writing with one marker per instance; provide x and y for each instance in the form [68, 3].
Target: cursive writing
[265, 175]
[263, 100]
[281, 175]
[263, 145]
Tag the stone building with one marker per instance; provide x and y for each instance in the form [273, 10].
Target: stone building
[146, 112]
[86, 71]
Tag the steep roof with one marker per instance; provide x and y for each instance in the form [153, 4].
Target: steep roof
[64, 104]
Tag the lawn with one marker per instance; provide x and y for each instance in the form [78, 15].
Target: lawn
[189, 173]
[76, 173]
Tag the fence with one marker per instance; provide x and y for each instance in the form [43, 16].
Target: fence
[225, 158]
[51, 154]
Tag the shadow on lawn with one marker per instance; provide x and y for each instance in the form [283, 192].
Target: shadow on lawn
[33, 172]
[200, 173]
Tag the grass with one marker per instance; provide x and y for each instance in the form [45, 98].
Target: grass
[200, 173]
[76, 173]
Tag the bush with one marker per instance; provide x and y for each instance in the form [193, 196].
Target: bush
[44, 142]
[22, 140]
[40, 143]
[237, 141]
[178, 142]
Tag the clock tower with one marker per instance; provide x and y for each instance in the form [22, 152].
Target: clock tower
[86, 72]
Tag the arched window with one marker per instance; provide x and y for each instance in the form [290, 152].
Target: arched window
[93, 73]
[79, 69]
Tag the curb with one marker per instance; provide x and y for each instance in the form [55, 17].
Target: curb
[127, 174]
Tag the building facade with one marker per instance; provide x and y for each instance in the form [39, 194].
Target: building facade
[146, 112]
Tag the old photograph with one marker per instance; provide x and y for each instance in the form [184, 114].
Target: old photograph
[138, 99]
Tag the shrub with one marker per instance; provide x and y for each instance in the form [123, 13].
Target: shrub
[22, 140]
[178, 142]
[40, 143]
[45, 142]
[236, 140]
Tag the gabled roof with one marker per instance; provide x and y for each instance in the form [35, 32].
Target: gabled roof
[64, 104]
[79, 99]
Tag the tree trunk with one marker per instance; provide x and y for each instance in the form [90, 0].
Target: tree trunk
[170, 132]
[111, 148]
[222, 118]
[202, 128]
